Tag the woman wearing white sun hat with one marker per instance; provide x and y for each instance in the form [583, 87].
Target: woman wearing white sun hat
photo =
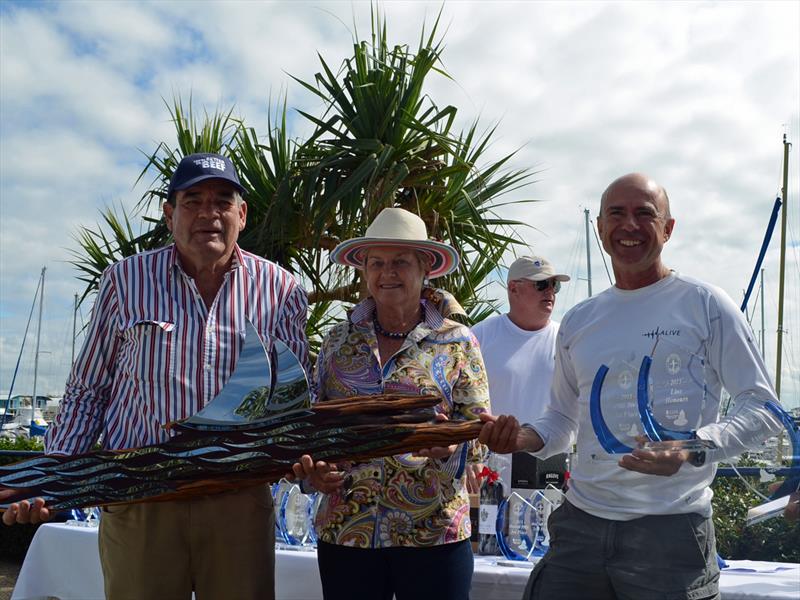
[398, 525]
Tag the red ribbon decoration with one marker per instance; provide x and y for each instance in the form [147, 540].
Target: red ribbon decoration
[492, 476]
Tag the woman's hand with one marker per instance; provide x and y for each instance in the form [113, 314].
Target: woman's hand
[25, 511]
[323, 476]
[473, 478]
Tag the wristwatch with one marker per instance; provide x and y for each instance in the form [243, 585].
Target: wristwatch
[697, 459]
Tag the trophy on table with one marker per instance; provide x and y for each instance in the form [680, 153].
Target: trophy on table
[522, 532]
[295, 513]
[84, 517]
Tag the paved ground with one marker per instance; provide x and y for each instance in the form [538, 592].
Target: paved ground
[9, 570]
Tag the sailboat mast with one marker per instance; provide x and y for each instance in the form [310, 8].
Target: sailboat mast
[763, 331]
[36, 354]
[588, 253]
[785, 194]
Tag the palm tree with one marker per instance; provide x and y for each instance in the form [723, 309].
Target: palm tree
[114, 238]
[381, 141]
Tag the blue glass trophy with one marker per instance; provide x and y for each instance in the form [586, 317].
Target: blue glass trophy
[84, 517]
[517, 528]
[522, 533]
[313, 507]
[279, 491]
[294, 515]
[613, 409]
[662, 397]
[780, 458]
[665, 399]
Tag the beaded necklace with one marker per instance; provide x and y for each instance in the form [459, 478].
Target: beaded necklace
[395, 335]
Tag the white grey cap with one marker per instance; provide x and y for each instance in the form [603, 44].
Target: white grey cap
[535, 268]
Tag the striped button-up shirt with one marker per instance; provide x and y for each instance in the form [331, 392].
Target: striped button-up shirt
[155, 353]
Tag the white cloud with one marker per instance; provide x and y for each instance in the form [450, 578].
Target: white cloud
[696, 94]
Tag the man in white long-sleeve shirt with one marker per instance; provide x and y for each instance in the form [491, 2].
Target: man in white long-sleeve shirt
[639, 526]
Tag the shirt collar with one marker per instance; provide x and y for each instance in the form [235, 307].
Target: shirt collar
[364, 311]
[235, 263]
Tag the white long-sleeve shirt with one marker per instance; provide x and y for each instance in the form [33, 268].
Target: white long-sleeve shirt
[700, 343]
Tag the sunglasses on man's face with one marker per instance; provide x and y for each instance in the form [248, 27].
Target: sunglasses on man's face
[546, 283]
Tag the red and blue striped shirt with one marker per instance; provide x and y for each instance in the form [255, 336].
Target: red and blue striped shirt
[155, 353]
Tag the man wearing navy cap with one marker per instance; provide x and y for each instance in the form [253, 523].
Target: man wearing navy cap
[166, 331]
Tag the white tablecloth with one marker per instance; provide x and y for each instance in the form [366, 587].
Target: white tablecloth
[63, 562]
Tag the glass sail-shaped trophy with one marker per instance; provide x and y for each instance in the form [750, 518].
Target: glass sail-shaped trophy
[613, 410]
[522, 533]
[294, 515]
[659, 401]
[661, 397]
[672, 397]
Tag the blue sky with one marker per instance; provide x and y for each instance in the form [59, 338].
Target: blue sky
[696, 94]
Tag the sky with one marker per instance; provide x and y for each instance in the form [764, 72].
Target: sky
[698, 95]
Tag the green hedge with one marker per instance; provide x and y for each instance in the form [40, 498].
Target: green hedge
[773, 540]
[14, 541]
[20, 443]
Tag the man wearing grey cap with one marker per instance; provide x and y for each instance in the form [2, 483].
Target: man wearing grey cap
[519, 347]
[166, 331]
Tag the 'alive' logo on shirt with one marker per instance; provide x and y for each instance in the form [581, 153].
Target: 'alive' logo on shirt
[658, 332]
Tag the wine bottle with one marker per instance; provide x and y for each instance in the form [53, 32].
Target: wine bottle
[491, 495]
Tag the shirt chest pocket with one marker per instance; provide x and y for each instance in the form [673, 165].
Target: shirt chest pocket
[149, 350]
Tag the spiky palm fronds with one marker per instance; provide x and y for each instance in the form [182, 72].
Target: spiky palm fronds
[380, 141]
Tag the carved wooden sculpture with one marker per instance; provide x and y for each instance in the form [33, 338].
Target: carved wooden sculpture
[258, 426]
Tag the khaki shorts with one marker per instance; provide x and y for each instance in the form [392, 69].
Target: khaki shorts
[669, 557]
[220, 546]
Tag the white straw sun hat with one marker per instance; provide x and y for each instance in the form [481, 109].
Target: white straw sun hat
[397, 227]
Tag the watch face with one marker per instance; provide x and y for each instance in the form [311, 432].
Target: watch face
[698, 459]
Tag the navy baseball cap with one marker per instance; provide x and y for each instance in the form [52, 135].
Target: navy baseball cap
[195, 168]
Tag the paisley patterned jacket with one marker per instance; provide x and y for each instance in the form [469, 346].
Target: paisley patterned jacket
[403, 500]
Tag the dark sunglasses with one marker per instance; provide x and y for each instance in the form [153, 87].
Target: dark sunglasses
[544, 284]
